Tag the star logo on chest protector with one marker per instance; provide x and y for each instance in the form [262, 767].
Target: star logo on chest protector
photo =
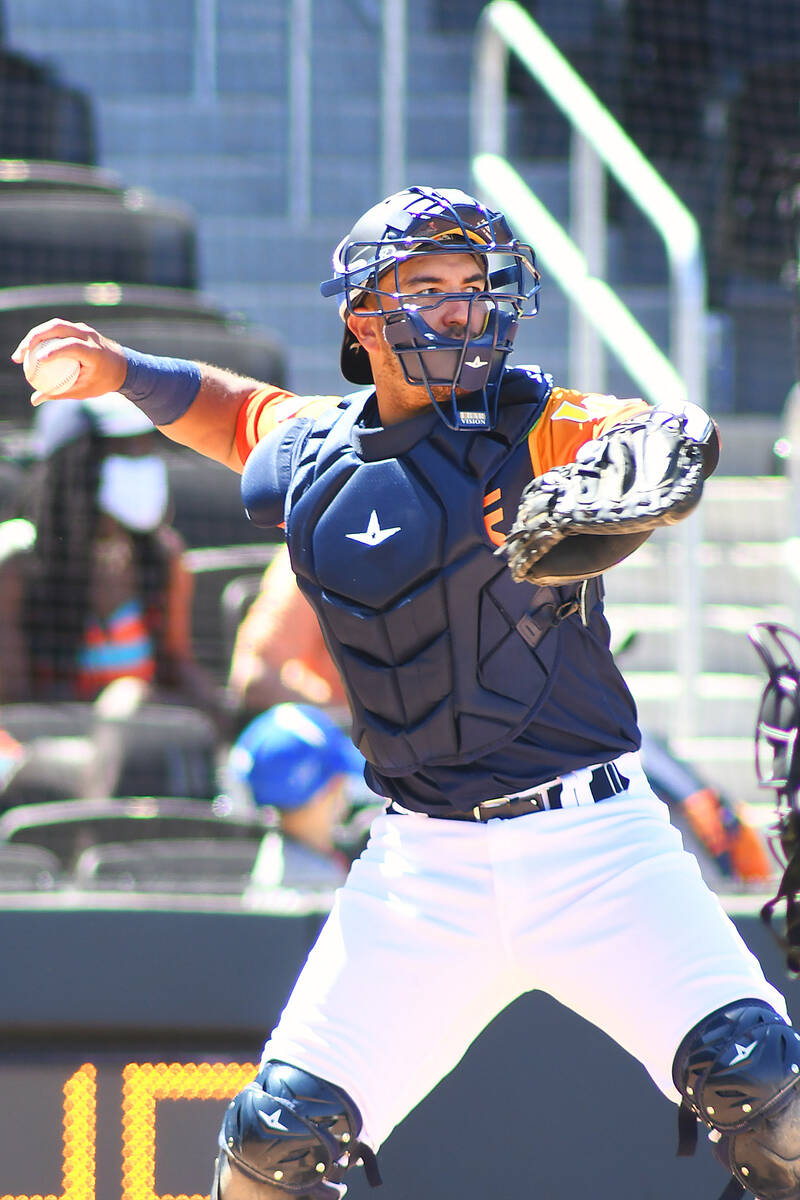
[273, 1120]
[373, 535]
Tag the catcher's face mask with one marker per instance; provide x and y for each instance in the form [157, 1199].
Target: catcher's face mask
[467, 361]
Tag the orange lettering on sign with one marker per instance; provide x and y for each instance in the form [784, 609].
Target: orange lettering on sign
[79, 1148]
[146, 1083]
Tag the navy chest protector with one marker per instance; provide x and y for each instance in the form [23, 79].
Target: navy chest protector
[443, 656]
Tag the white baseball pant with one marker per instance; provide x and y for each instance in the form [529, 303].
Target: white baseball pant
[442, 924]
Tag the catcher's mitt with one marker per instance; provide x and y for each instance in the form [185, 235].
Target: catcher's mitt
[640, 474]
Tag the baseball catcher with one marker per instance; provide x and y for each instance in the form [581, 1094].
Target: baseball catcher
[577, 520]
[521, 846]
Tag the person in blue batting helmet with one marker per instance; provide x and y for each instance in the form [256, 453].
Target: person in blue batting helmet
[295, 759]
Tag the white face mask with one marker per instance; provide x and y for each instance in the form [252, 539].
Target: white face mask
[134, 490]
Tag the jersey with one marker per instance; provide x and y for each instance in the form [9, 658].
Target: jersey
[119, 646]
[463, 685]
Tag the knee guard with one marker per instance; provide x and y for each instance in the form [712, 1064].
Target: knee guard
[738, 1071]
[294, 1133]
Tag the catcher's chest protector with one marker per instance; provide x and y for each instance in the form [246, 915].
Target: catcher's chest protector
[387, 537]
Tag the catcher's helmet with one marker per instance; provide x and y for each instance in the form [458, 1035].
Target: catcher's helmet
[423, 221]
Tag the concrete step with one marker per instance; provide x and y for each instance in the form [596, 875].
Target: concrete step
[29, 18]
[232, 185]
[159, 61]
[754, 573]
[648, 635]
[251, 125]
[736, 508]
[726, 702]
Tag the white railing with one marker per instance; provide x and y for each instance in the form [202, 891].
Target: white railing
[390, 22]
[504, 28]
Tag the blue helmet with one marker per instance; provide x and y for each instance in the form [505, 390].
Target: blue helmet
[288, 753]
[423, 221]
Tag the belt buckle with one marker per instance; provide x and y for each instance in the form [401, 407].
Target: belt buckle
[500, 802]
[539, 795]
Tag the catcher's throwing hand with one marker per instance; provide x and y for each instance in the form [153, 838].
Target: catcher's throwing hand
[103, 365]
[640, 474]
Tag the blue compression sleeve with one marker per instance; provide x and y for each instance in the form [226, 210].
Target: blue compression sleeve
[163, 388]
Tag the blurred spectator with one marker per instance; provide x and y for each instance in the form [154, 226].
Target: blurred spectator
[95, 597]
[94, 587]
[295, 759]
[721, 829]
[279, 653]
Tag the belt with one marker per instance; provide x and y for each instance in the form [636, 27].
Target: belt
[603, 782]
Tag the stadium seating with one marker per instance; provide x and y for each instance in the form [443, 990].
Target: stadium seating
[40, 115]
[28, 868]
[62, 225]
[68, 828]
[164, 750]
[214, 569]
[156, 320]
[187, 865]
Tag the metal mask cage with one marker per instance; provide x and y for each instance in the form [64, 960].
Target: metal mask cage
[778, 720]
[423, 223]
[510, 274]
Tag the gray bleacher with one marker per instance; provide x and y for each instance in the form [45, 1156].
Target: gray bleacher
[200, 116]
[191, 101]
[220, 144]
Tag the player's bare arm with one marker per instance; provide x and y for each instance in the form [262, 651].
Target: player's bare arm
[208, 422]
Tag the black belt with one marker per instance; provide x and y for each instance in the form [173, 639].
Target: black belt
[604, 781]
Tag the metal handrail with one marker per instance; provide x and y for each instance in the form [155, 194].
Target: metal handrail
[504, 27]
[564, 261]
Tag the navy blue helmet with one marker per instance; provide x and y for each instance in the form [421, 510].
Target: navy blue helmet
[422, 221]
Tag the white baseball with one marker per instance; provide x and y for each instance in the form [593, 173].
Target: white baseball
[53, 378]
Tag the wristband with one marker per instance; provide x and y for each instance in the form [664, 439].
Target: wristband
[163, 388]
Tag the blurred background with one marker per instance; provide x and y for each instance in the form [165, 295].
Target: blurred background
[177, 174]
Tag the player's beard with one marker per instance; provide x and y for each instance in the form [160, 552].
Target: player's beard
[413, 396]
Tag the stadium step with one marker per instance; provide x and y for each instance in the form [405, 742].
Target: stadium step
[149, 127]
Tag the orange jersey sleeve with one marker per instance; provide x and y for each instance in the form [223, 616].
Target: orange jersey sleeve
[569, 420]
[267, 407]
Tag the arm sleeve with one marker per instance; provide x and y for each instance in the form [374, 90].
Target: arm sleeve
[268, 407]
[269, 425]
[569, 420]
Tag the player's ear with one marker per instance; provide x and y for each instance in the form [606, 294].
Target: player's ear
[365, 329]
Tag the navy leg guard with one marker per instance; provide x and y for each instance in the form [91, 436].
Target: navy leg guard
[739, 1073]
[295, 1134]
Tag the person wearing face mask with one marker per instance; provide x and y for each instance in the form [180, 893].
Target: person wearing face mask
[93, 586]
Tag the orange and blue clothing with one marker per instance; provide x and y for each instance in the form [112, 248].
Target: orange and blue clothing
[121, 645]
[463, 684]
